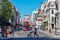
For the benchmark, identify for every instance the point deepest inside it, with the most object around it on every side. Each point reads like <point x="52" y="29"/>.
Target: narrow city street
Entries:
<point x="23" y="34"/>
<point x="29" y="19"/>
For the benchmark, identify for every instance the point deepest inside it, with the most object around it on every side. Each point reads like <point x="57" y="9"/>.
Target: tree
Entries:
<point x="5" y="11"/>
<point x="5" y="14"/>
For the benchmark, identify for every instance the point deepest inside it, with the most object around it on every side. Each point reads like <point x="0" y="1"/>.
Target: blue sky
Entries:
<point x="25" y="7"/>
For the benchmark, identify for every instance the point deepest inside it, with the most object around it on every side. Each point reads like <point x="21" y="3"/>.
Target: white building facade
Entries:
<point x="33" y="17"/>
<point x="49" y="10"/>
<point x="52" y="11"/>
<point x="58" y="16"/>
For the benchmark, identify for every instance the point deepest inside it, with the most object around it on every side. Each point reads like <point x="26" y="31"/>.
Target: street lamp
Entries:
<point x="55" y="23"/>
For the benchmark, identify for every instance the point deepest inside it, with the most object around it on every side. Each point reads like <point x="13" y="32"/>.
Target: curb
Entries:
<point x="55" y="36"/>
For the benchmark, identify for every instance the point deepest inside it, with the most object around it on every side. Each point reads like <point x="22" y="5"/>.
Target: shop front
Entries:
<point x="39" y="24"/>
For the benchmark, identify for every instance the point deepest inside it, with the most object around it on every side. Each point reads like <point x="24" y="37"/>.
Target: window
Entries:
<point x="52" y="19"/>
<point x="56" y="6"/>
<point x="27" y="18"/>
<point x="47" y="10"/>
<point x="52" y="5"/>
<point x="52" y="11"/>
<point x="39" y="19"/>
<point x="45" y="16"/>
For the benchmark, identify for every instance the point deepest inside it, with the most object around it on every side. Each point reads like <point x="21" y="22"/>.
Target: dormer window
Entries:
<point x="52" y="5"/>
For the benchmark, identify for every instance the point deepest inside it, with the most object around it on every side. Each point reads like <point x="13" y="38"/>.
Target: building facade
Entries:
<point x="58" y="16"/>
<point x="34" y="17"/>
<point x="52" y="11"/>
<point x="26" y="20"/>
<point x="15" y="19"/>
<point x="49" y="9"/>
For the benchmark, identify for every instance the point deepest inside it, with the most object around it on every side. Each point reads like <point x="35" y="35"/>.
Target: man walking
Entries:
<point x="29" y="34"/>
<point x="35" y="32"/>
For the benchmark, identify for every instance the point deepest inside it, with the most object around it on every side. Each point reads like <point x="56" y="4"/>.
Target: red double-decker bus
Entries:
<point x="26" y="25"/>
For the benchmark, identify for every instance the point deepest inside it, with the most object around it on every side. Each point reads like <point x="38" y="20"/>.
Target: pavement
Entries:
<point x="52" y="33"/>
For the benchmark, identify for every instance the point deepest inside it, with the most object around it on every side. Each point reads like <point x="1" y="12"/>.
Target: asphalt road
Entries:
<point x="22" y="35"/>
<point x="25" y="33"/>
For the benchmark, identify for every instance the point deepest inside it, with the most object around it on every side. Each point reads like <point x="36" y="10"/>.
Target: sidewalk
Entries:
<point x="51" y="34"/>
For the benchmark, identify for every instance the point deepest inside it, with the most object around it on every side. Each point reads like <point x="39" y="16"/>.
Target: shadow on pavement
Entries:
<point x="30" y="38"/>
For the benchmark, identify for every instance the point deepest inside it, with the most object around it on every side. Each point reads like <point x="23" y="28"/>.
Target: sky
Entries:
<point x="26" y="7"/>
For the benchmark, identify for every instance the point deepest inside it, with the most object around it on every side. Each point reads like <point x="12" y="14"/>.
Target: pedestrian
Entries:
<point x="7" y="32"/>
<point x="17" y="27"/>
<point x="35" y="31"/>
<point x="29" y="35"/>
<point x="2" y="31"/>
<point x="44" y="28"/>
<point x="30" y="32"/>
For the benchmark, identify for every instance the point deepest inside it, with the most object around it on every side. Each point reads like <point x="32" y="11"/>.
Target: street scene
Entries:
<point x="29" y="19"/>
<point x="25" y="34"/>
